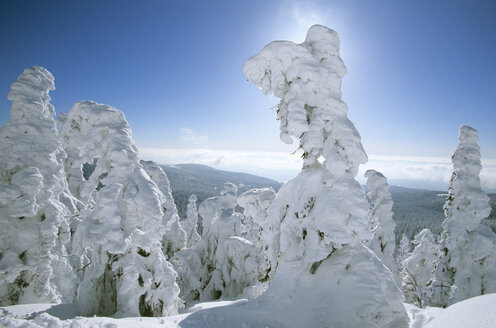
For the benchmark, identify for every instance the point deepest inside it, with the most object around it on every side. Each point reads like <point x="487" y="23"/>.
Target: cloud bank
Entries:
<point x="414" y="172"/>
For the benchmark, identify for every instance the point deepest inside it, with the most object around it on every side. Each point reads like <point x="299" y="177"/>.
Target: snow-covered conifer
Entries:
<point x="35" y="203"/>
<point x="381" y="221"/>
<point x="175" y="237"/>
<point x="318" y="220"/>
<point x="255" y="203"/>
<point x="222" y="264"/>
<point x="418" y="268"/>
<point x="403" y="251"/>
<point x="119" y="240"/>
<point x="190" y="224"/>
<point x="467" y="263"/>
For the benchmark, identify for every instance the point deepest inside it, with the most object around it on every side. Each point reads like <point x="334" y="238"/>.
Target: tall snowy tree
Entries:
<point x="35" y="203"/>
<point x="381" y="221"/>
<point x="317" y="222"/>
<point x="467" y="263"/>
<point x="119" y="239"/>
<point x="418" y="268"/>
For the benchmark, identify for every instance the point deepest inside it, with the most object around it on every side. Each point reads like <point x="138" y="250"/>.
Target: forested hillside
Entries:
<point x="414" y="209"/>
<point x="205" y="181"/>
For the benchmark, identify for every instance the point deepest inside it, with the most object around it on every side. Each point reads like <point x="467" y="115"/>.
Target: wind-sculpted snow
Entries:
<point x="35" y="201"/>
<point x="381" y="222"/>
<point x="323" y="275"/>
<point x="122" y="266"/>
<point x="467" y="264"/>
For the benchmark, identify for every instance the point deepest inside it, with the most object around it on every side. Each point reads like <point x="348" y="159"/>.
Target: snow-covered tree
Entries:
<point x="381" y="224"/>
<point x="175" y="237"/>
<point x="190" y="224"/>
<point x="255" y="203"/>
<point x="418" y="268"/>
<point x="318" y="220"/>
<point x="35" y="203"/>
<point x="403" y="251"/>
<point x="222" y="264"/>
<point x="467" y="263"/>
<point x="122" y="266"/>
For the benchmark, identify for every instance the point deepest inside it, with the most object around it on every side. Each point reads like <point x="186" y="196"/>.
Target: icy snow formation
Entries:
<point x="222" y="264"/>
<point x="467" y="264"/>
<point x="119" y="239"/>
<point x="35" y="201"/>
<point x="323" y="274"/>
<point x="418" y="268"/>
<point x="381" y="221"/>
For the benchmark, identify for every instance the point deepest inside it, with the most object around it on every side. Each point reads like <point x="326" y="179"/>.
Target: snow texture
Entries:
<point x="381" y="223"/>
<point x="418" y="268"/>
<point x="467" y="264"/>
<point x="35" y="201"/>
<point x="323" y="275"/>
<point x="122" y="266"/>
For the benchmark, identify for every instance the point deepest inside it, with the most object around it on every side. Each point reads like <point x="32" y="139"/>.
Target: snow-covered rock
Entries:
<point x="467" y="263"/>
<point x="122" y="267"/>
<point x="36" y="207"/>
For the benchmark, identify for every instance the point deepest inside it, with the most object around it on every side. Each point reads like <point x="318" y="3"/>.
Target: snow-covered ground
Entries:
<point x="474" y="312"/>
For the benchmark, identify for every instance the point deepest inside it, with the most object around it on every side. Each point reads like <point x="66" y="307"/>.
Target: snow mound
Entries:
<point x="473" y="312"/>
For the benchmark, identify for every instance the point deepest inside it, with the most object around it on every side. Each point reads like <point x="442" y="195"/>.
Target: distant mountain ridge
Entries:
<point x="414" y="209"/>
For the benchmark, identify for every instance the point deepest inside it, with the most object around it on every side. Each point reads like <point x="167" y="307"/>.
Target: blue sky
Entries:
<point x="417" y="70"/>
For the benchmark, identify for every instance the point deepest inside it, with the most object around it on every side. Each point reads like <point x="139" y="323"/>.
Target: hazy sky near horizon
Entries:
<point x="417" y="70"/>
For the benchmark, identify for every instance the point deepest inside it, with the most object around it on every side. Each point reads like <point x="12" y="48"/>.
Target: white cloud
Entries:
<point x="276" y="165"/>
<point x="191" y="139"/>
<point x="414" y="172"/>
<point x="425" y="172"/>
